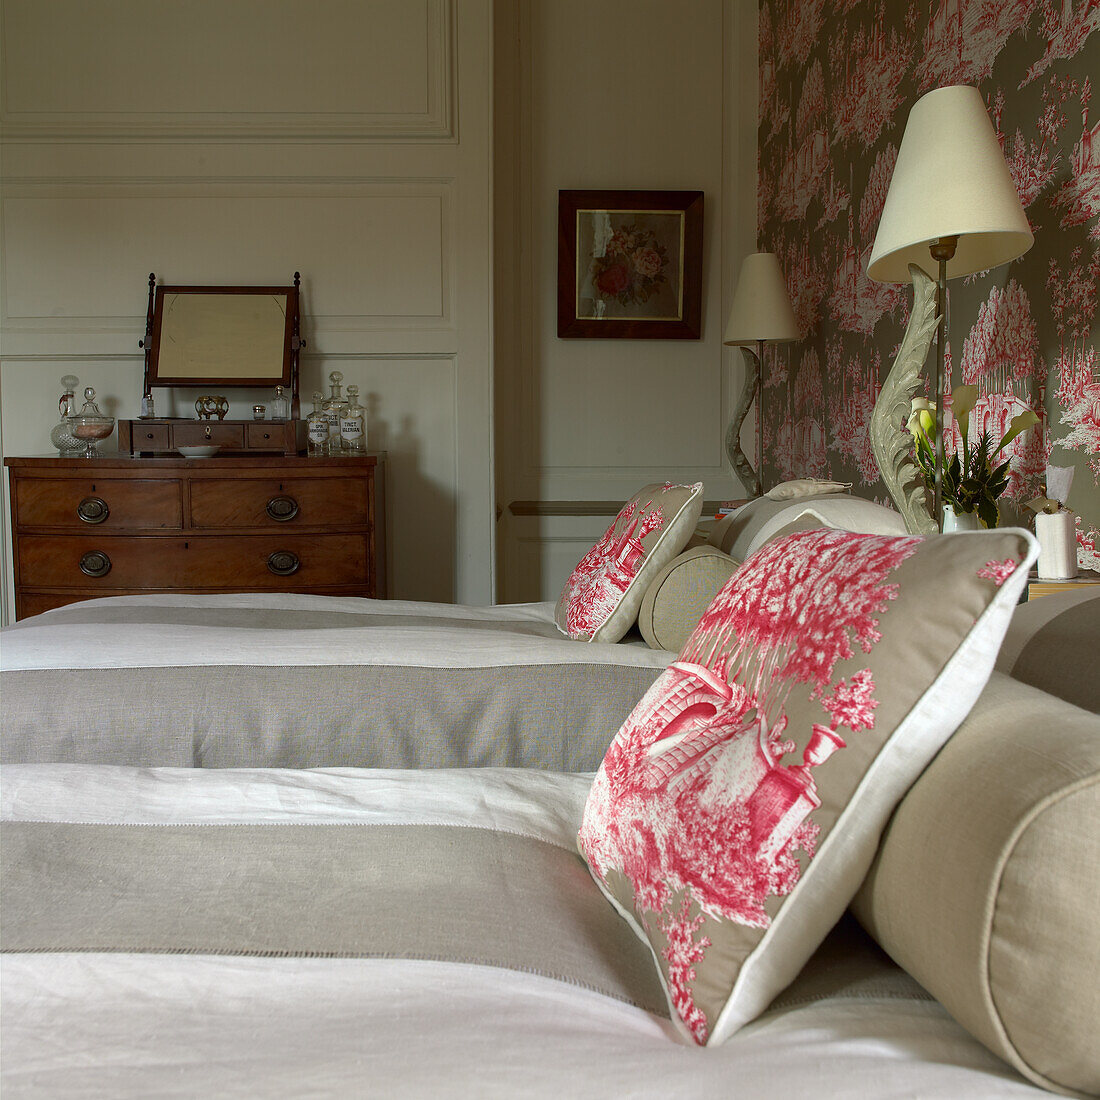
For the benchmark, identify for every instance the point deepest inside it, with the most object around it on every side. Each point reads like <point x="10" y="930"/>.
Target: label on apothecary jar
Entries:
<point x="351" y="429"/>
<point x="318" y="430"/>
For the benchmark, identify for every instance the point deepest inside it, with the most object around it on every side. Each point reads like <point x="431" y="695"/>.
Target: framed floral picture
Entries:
<point x="630" y="264"/>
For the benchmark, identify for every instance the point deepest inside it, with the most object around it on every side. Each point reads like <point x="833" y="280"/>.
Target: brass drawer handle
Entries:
<point x="282" y="509"/>
<point x="93" y="510"/>
<point x="283" y="562"/>
<point x="95" y="563"/>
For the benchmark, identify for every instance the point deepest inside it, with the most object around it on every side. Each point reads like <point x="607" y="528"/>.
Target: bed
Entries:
<point x="298" y="846"/>
<point x="522" y="983"/>
<point x="298" y="681"/>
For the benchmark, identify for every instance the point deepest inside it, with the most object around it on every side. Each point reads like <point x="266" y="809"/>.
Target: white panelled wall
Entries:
<point x="379" y="147"/>
<point x="236" y="143"/>
<point x="616" y="94"/>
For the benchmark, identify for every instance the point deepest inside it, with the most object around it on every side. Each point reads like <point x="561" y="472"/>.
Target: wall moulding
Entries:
<point x="376" y="257"/>
<point x="406" y="68"/>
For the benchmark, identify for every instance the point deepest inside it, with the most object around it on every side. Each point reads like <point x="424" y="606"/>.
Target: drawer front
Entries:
<point x="265" y="435"/>
<point x="111" y="563"/>
<point x="149" y="437"/>
<point x="199" y="433"/>
<point x="99" y="503"/>
<point x="279" y="502"/>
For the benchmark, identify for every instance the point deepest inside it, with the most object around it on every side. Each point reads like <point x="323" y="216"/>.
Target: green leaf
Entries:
<point x="987" y="512"/>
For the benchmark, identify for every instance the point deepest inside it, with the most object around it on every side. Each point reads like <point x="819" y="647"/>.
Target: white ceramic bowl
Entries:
<point x="198" y="452"/>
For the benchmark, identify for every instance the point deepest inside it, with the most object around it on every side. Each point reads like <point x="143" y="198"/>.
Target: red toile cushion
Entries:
<point x="741" y="803"/>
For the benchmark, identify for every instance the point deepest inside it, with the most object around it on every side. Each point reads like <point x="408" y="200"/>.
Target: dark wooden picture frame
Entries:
<point x="630" y="264"/>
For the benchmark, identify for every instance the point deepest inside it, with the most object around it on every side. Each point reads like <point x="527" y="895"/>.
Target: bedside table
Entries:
<point x="1037" y="588"/>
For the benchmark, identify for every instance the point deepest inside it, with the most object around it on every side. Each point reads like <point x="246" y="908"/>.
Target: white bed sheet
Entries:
<point x="128" y="1025"/>
<point x="419" y="634"/>
<point x="110" y="1026"/>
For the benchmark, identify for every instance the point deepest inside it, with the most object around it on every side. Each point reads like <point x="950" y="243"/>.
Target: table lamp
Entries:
<point x="951" y="199"/>
<point x="761" y="314"/>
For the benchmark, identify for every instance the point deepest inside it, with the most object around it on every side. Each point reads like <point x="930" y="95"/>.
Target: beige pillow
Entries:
<point x="986" y="885"/>
<point x="674" y="603"/>
<point x="600" y="600"/>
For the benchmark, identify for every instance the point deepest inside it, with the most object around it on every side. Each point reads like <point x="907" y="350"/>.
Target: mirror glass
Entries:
<point x="204" y="335"/>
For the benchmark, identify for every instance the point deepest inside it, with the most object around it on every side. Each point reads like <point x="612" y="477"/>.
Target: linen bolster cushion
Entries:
<point x="600" y="600"/>
<point x="1052" y="643"/>
<point x="675" y="601"/>
<point x="986" y="884"/>
<point x="739" y="807"/>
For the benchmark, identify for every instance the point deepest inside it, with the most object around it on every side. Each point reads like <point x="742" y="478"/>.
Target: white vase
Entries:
<point x="960" y="521"/>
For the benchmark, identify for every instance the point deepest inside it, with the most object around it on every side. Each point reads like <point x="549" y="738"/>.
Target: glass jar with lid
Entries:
<point x="353" y="424"/>
<point x="280" y="405"/>
<point x="90" y="425"/>
<point x="333" y="407"/>
<point x="68" y="446"/>
<point x="317" y="429"/>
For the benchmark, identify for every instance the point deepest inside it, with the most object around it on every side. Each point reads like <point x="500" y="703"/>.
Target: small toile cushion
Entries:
<point x="600" y="600"/>
<point x="740" y="805"/>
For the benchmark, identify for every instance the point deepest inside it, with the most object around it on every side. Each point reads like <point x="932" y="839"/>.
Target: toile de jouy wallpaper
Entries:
<point x="838" y="78"/>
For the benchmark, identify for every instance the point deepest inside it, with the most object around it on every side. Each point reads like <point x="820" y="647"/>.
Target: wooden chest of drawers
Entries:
<point x="110" y="526"/>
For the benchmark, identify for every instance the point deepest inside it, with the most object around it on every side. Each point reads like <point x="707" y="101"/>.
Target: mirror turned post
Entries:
<point x="147" y="345"/>
<point x="296" y="344"/>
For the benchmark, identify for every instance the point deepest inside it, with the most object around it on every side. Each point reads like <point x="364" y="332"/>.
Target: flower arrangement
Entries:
<point x="973" y="482"/>
<point x="632" y="267"/>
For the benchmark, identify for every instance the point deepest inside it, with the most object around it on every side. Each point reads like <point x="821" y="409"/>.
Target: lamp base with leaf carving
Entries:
<point x="750" y="478"/>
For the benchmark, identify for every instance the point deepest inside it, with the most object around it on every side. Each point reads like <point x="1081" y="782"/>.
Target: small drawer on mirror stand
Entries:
<point x="199" y="433"/>
<point x="149" y="437"/>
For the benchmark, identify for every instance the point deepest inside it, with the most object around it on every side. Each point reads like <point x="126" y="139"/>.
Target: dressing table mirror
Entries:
<point x="219" y="337"/>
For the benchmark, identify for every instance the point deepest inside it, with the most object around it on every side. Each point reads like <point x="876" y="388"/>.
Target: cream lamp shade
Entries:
<point x="950" y="179"/>
<point x="761" y="310"/>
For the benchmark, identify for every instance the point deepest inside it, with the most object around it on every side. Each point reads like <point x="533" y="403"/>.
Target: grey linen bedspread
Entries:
<point x="295" y="681"/>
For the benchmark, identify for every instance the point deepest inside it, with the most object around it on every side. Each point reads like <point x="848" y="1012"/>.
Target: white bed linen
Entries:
<point x="57" y="639"/>
<point x="110" y="1027"/>
<point x="544" y="805"/>
<point x="128" y="1025"/>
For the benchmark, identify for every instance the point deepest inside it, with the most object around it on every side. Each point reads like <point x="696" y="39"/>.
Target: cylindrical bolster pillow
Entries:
<point x="985" y="887"/>
<point x="677" y="597"/>
<point x="1051" y="644"/>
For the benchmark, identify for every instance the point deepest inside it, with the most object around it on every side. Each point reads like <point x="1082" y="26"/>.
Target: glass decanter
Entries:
<point x="280" y="405"/>
<point x="353" y="424"/>
<point x="317" y="429"/>
<point x="333" y="407"/>
<point x="90" y="425"/>
<point x="68" y="446"/>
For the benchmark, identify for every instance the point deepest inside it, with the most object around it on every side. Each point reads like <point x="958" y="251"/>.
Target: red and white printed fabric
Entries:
<point x="600" y="600"/>
<point x="741" y="803"/>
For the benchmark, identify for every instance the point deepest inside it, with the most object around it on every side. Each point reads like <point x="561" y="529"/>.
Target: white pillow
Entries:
<point x="844" y="513"/>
